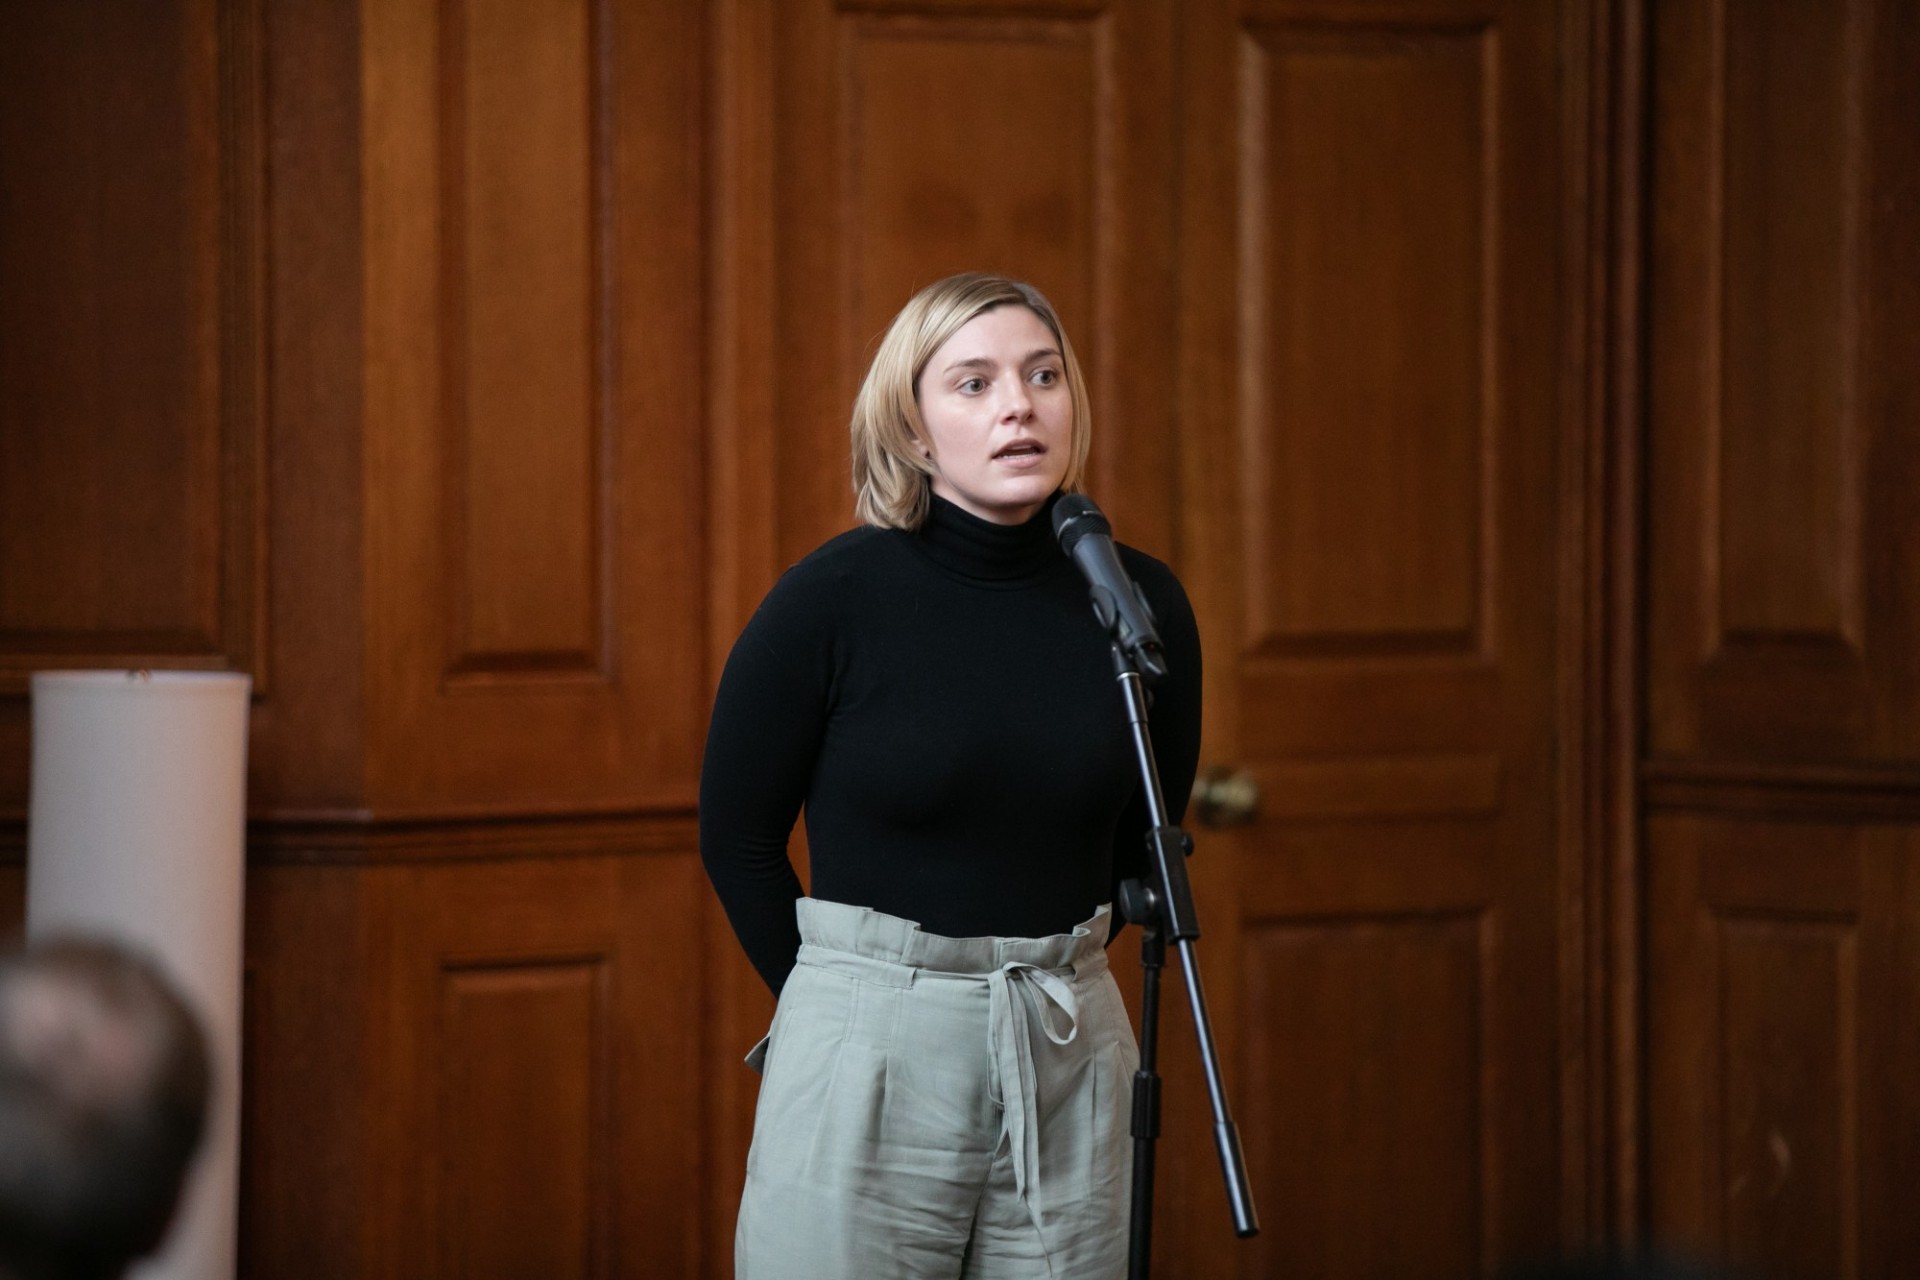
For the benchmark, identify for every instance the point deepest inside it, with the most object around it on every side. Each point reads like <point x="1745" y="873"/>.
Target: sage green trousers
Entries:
<point x="940" y="1108"/>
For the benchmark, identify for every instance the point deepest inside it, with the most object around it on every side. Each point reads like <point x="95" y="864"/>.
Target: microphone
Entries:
<point x="1087" y="539"/>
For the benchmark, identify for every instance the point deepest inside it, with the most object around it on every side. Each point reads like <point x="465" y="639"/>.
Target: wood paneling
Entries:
<point x="918" y="141"/>
<point x="1398" y="786"/>
<point x="1377" y="1028"/>
<point x="1368" y="335"/>
<point x="132" y="349"/>
<point x="468" y="369"/>
<point x="1788" y="1136"/>
<point x="526" y="418"/>
<point x="1781" y="631"/>
<point x="306" y="747"/>
<point x="533" y="446"/>
<point x="1788" y="319"/>
<point x="503" y="1058"/>
<point x="1779" y="1138"/>
<point x="525" y="1116"/>
<point x="308" y="1060"/>
<point x="887" y="167"/>
<point x="1371" y="412"/>
<point x="1774" y="535"/>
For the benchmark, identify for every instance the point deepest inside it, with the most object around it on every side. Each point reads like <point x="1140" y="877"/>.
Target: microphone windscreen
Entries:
<point x="1074" y="517"/>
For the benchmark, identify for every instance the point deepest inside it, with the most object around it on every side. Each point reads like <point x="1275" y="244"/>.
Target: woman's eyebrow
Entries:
<point x="983" y="362"/>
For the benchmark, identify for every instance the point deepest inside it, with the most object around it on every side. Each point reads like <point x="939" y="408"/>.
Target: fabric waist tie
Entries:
<point x="1020" y="992"/>
<point x="1011" y="1040"/>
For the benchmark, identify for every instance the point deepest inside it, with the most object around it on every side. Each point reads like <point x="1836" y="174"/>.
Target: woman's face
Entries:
<point x="998" y="415"/>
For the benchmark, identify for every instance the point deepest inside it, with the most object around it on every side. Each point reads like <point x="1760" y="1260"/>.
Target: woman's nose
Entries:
<point x="1017" y="405"/>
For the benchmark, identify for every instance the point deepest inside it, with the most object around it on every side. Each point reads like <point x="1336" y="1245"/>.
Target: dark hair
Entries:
<point x="103" y="1098"/>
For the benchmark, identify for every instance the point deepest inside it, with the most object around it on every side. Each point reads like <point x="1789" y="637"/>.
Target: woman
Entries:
<point x="947" y="1080"/>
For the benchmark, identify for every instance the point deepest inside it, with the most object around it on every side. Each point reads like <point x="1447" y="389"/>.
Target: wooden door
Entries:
<point x="1783" y="710"/>
<point x="1372" y="407"/>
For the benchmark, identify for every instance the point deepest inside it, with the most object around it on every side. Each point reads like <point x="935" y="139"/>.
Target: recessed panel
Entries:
<point x="129" y="355"/>
<point x="1366" y="1036"/>
<point x="524" y="334"/>
<point x="1367" y="228"/>
<point x="1776" y="477"/>
<point x="1788" y="1184"/>
<point x="1789" y="131"/>
<point x="972" y="145"/>
<point x="1381" y="786"/>
<point x="534" y="328"/>
<point x="524" y="1120"/>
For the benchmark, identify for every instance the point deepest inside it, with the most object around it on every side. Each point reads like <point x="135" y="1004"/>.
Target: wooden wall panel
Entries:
<point x="920" y="141"/>
<point x="502" y="1051"/>
<point x="1789" y="1135"/>
<point x="1378" y="1029"/>
<point x="533" y="434"/>
<point x="1780" y="988"/>
<point x="1384" y="463"/>
<point x="888" y="168"/>
<point x="306" y="749"/>
<point x="182" y="344"/>
<point x="525" y="1133"/>
<point x="1367" y="335"/>
<point x="635" y="919"/>
<point x="1790" y="151"/>
<point x="131" y="433"/>
<point x="309" y="1029"/>
<point x="1775" y="539"/>
<point x="526" y="418"/>
<point x="470" y="368"/>
<point x="1373" y="423"/>
<point x="1782" y="703"/>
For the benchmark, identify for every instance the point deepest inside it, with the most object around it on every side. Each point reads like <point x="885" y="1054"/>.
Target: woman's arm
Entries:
<point x="761" y="743"/>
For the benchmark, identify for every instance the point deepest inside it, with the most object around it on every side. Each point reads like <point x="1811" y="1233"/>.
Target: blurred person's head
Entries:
<point x="103" y="1097"/>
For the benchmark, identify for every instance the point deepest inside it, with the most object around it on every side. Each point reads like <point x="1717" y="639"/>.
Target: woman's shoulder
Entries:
<point x="807" y="609"/>
<point x="844" y="552"/>
<point x="843" y="558"/>
<point x="1155" y="577"/>
<point x="819" y="582"/>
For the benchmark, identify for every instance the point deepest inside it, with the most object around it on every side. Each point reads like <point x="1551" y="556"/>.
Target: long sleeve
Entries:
<point x="761" y="745"/>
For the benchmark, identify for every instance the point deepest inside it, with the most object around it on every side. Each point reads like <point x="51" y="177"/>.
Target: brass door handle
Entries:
<point x="1225" y="797"/>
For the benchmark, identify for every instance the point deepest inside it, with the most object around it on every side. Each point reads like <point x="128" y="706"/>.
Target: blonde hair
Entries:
<point x="891" y="476"/>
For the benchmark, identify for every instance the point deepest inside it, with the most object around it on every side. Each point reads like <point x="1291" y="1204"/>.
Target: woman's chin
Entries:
<point x="1029" y="491"/>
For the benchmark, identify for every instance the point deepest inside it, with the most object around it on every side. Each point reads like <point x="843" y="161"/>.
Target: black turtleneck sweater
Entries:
<point x="944" y="705"/>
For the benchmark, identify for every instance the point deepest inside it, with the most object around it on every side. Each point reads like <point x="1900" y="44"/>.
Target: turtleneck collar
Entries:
<point x="966" y="546"/>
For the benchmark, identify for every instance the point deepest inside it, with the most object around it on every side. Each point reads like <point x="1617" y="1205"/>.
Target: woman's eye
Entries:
<point x="972" y="386"/>
<point x="1045" y="377"/>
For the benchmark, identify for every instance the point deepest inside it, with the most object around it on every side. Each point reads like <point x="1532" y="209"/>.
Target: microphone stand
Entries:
<point x="1163" y="909"/>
